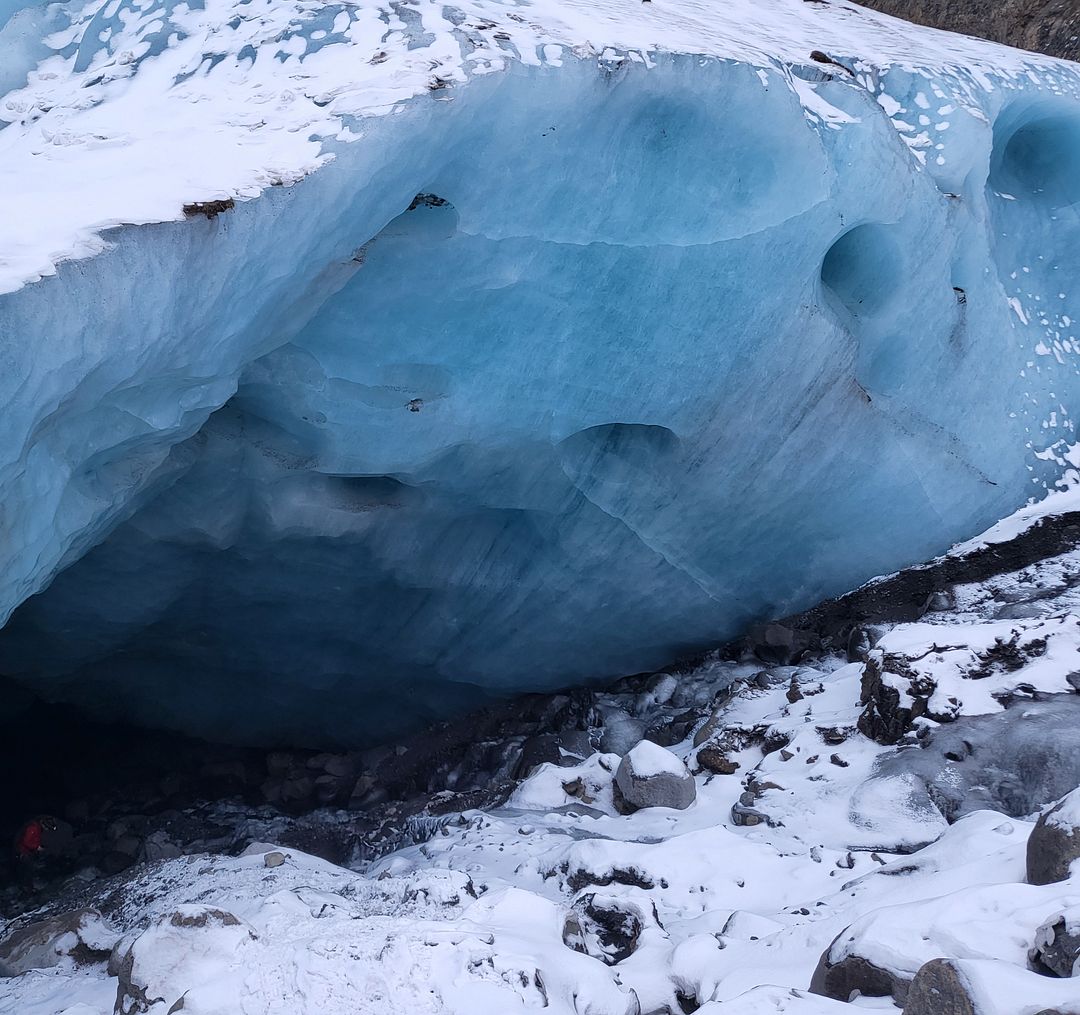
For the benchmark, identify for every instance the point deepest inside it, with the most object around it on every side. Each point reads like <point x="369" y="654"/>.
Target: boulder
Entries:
<point x="987" y="987"/>
<point x="651" y="776"/>
<point x="940" y="988"/>
<point x="607" y="927"/>
<point x="83" y="937"/>
<point x="1055" y="842"/>
<point x="169" y="962"/>
<point x="1056" y="951"/>
<point x="843" y="976"/>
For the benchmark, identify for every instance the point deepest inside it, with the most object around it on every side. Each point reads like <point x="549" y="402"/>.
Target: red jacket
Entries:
<point x="28" y="841"/>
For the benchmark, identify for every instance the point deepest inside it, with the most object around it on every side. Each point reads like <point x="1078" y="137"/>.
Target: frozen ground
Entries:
<point x="555" y="901"/>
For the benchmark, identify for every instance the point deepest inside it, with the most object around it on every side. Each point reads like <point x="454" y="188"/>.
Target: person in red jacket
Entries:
<point x="44" y="842"/>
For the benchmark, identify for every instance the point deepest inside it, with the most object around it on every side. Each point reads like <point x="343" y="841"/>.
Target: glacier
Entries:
<point x="529" y="345"/>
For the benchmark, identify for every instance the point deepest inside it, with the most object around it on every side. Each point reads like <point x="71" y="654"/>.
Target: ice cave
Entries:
<point x="537" y="504"/>
<point x="584" y="370"/>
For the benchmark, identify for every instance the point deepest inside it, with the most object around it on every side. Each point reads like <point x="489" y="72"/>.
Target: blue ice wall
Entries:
<point x="654" y="355"/>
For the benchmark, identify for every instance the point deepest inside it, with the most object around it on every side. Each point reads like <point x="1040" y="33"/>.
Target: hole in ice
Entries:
<point x="615" y="454"/>
<point x="862" y="269"/>
<point x="1039" y="158"/>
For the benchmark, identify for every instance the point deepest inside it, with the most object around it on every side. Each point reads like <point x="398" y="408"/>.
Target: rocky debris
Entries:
<point x="907" y="595"/>
<point x="1056" y="951"/>
<point x="780" y="644"/>
<point x="895" y="698"/>
<point x="607" y="927"/>
<point x="1007" y="655"/>
<point x="1052" y="28"/>
<point x="939" y="988"/>
<point x="713" y="759"/>
<point x="651" y="776"/>
<point x="670" y="730"/>
<point x="842" y="976"/>
<point x="1054" y="844"/>
<point x="744" y="811"/>
<point x="82" y="937"/>
<point x="746" y="815"/>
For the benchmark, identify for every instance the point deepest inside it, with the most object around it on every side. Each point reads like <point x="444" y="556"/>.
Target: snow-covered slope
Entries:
<point x="152" y="104"/>
<point x="591" y="333"/>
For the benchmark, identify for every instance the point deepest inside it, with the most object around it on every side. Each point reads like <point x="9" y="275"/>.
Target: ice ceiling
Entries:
<point x="588" y="367"/>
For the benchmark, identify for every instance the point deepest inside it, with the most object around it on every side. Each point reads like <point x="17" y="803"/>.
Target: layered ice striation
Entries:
<point x="587" y="337"/>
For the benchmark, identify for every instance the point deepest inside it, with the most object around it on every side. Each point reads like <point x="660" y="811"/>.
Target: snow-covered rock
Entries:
<point x="881" y="953"/>
<point x="651" y="776"/>
<point x="1054" y="845"/>
<point x="1057" y="945"/>
<point x="183" y="962"/>
<point x="986" y="987"/>
<point x="74" y="939"/>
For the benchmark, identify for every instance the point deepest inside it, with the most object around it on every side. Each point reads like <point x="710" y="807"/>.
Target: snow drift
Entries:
<point x="560" y="339"/>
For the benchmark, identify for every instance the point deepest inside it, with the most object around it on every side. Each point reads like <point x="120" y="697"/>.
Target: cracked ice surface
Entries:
<point x="689" y="330"/>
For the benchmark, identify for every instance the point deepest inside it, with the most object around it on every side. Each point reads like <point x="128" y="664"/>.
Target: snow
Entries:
<point x="1055" y="502"/>
<point x="147" y="106"/>
<point x="1067" y="814"/>
<point x="648" y="760"/>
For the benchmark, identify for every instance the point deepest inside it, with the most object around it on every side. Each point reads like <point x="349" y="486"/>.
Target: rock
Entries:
<point x="115" y="861"/>
<point x="540" y="749"/>
<point x="894" y="698"/>
<point x="1055" y="842"/>
<point x="746" y="816"/>
<point x="712" y="759"/>
<point x="650" y="776"/>
<point x="673" y="730"/>
<point x="779" y="645"/>
<point x="605" y="927"/>
<point x="1056" y="951"/>
<point x="576" y="745"/>
<point x="158" y="846"/>
<point x="167" y="962"/>
<point x="939" y="988"/>
<point x="840" y="977"/>
<point x="82" y="936"/>
<point x="621" y="731"/>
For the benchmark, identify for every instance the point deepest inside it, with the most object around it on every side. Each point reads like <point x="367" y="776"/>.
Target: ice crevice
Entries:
<point x="553" y="374"/>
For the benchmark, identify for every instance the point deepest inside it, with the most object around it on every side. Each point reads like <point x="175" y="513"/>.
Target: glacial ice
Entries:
<point x="552" y="374"/>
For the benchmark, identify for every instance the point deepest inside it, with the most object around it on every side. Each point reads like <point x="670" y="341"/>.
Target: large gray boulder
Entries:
<point x="987" y="987"/>
<point x="940" y="988"/>
<point x="651" y="776"/>
<point x="841" y="975"/>
<point x="1055" y="842"/>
